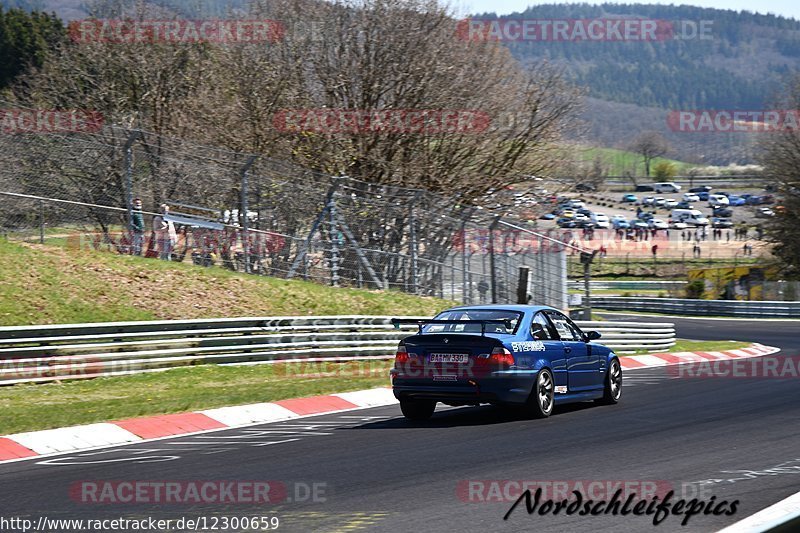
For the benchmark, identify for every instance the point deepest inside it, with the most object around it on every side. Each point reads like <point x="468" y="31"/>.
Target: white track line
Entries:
<point x="768" y="518"/>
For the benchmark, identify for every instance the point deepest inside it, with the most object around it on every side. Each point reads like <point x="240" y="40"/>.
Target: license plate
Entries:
<point x="448" y="358"/>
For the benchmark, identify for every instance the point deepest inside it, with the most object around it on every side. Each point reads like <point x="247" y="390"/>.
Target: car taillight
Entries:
<point x="401" y="357"/>
<point x="501" y="357"/>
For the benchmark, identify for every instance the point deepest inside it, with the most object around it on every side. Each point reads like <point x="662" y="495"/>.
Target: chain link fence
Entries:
<point x="264" y="216"/>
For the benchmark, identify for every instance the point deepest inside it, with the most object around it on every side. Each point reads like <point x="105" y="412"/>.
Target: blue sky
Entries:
<point x="787" y="8"/>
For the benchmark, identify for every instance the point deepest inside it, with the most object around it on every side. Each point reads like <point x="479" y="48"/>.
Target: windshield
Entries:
<point x="475" y="314"/>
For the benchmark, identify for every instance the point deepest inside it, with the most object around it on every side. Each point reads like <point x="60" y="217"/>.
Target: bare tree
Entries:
<point x="650" y="145"/>
<point x="780" y="157"/>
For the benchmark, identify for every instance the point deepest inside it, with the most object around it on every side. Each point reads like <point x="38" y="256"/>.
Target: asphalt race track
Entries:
<point x="370" y="470"/>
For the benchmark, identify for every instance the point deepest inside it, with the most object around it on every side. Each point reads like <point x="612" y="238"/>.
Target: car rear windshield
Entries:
<point x="475" y="314"/>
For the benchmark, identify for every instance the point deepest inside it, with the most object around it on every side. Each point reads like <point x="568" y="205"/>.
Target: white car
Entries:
<point x="670" y="203"/>
<point x="600" y="220"/>
<point x="660" y="201"/>
<point x="717" y="199"/>
<point x="678" y="225"/>
<point x="576" y="204"/>
<point x="657" y="223"/>
<point x="691" y="197"/>
<point x="648" y="200"/>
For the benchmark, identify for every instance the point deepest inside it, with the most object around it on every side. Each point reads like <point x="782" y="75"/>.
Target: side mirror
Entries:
<point x="592" y="335"/>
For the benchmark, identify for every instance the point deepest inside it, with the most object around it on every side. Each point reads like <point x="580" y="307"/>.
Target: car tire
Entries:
<point x="417" y="409"/>
<point x="542" y="398"/>
<point x="612" y="389"/>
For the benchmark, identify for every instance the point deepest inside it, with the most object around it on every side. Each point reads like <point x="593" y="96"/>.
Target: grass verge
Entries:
<point x="684" y="345"/>
<point x="53" y="285"/>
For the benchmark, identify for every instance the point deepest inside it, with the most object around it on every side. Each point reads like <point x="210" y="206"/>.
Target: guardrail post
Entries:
<point x="243" y="208"/>
<point x="413" y="244"/>
<point x="41" y="221"/>
<point x="492" y="269"/>
<point x="129" y="176"/>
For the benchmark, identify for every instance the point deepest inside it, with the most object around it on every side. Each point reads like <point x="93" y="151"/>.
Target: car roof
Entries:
<point x="507" y="307"/>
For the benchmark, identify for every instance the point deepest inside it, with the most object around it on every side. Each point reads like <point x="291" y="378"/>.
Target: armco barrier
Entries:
<point x="672" y="306"/>
<point x="73" y="351"/>
<point x="628" y="285"/>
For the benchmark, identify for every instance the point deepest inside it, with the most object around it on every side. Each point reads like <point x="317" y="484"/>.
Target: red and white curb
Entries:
<point x="678" y="358"/>
<point x="77" y="438"/>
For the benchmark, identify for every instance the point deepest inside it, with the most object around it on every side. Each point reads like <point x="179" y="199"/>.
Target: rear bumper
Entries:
<point x="491" y="390"/>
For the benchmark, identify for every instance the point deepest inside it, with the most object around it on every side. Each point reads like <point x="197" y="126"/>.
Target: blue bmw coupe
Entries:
<point x="527" y="356"/>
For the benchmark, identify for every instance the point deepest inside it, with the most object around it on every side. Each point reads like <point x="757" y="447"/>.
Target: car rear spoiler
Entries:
<point x="397" y="322"/>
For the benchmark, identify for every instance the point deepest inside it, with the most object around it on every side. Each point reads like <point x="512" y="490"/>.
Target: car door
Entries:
<point x="583" y="364"/>
<point x="542" y="330"/>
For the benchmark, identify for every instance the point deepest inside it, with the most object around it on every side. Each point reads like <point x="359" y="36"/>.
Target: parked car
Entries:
<point x="601" y="220"/>
<point x="666" y="186"/>
<point x="765" y="212"/>
<point x="657" y="223"/>
<point x="690" y="216"/>
<point x="660" y="201"/>
<point x="690" y="197"/>
<point x="669" y="203"/>
<point x="639" y="224"/>
<point x="722" y="212"/>
<point x="678" y="225"/>
<point x="648" y="200"/>
<point x="567" y="213"/>
<point x="630" y="198"/>
<point x="644" y="215"/>
<point x="702" y="188"/>
<point x="548" y="216"/>
<point x="620" y="222"/>
<point x="722" y="223"/>
<point x="584" y="224"/>
<point x="644" y="188"/>
<point x="717" y="199"/>
<point x="529" y="356"/>
<point x="736" y="200"/>
<point x="703" y="195"/>
<point x="576" y="204"/>
<point x="585" y="187"/>
<point x="683" y="205"/>
<point x="565" y="223"/>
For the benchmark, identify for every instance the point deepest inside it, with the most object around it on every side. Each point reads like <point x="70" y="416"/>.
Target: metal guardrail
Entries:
<point x="673" y="306"/>
<point x="31" y="354"/>
<point x="628" y="285"/>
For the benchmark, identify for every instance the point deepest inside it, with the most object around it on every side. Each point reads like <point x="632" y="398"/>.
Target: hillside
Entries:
<point x="740" y="63"/>
<point x="44" y="284"/>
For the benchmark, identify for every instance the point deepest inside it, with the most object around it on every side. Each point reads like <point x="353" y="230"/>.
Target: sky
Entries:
<point x="787" y="8"/>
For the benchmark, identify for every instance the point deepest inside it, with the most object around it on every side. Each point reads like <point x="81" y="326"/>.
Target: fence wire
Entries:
<point x="264" y="216"/>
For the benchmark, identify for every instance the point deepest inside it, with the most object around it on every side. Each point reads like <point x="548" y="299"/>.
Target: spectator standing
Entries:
<point x="165" y="233"/>
<point x="483" y="288"/>
<point x="137" y="226"/>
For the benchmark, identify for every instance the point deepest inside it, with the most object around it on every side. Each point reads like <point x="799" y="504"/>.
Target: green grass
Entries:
<point x="684" y="345"/>
<point x="51" y="405"/>
<point x="51" y="285"/>
<point x="619" y="161"/>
